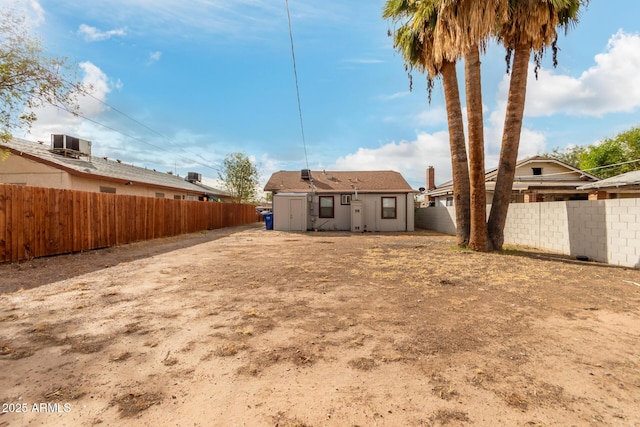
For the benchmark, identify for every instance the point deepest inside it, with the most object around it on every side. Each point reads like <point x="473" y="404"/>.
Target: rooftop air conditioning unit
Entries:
<point x="70" y="146"/>
<point x="305" y="174"/>
<point x="194" y="177"/>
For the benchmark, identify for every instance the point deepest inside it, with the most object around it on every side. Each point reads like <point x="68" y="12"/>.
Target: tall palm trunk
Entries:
<point x="459" y="163"/>
<point x="478" y="237"/>
<point x="510" y="143"/>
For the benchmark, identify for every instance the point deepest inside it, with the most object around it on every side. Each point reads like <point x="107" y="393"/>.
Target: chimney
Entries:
<point x="431" y="178"/>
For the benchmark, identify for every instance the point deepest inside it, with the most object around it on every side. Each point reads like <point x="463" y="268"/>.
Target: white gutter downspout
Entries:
<point x="406" y="212"/>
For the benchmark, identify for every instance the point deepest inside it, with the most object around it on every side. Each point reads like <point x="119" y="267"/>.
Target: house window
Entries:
<point x="326" y="206"/>
<point x="345" y="199"/>
<point x="160" y="195"/>
<point x="449" y="201"/>
<point x="389" y="210"/>
<point x="177" y="197"/>
<point x="537" y="171"/>
<point x="110" y="190"/>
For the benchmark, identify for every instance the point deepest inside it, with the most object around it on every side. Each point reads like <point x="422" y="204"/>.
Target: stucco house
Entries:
<point x="623" y="186"/>
<point x="537" y="179"/>
<point x="357" y="201"/>
<point x="67" y="163"/>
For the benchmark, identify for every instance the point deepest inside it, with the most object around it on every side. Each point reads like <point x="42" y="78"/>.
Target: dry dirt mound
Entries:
<point x="257" y="328"/>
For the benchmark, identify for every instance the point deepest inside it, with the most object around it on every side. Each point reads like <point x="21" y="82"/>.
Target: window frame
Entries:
<point x="320" y="207"/>
<point x="347" y="197"/>
<point x="395" y="207"/>
<point x="534" y="170"/>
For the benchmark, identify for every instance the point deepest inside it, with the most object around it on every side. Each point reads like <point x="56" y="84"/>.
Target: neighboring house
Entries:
<point x="537" y="179"/>
<point x="623" y="186"/>
<point x="67" y="163"/>
<point x="358" y="201"/>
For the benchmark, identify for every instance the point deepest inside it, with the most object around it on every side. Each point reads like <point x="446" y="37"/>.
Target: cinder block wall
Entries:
<point x="441" y="219"/>
<point x="603" y="230"/>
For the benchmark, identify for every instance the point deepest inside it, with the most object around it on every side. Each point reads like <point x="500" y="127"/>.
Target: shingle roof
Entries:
<point x="622" y="180"/>
<point x="339" y="181"/>
<point x="568" y="180"/>
<point x="99" y="167"/>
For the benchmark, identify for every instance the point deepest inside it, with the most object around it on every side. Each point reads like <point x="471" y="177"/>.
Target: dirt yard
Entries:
<point x="245" y="327"/>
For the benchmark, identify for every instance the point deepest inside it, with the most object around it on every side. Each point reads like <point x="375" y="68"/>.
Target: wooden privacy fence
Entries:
<point x="37" y="222"/>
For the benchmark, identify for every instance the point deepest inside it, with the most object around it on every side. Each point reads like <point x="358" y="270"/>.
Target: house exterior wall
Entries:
<point x="603" y="230"/>
<point x="548" y="168"/>
<point x="94" y="185"/>
<point x="372" y="205"/>
<point x="21" y="171"/>
<point x="551" y="172"/>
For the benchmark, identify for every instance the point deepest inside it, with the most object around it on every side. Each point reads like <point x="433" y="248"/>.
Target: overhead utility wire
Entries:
<point x="295" y="73"/>
<point x="85" y="92"/>
<point x="146" y="127"/>
<point x="127" y="135"/>
<point x="60" y="107"/>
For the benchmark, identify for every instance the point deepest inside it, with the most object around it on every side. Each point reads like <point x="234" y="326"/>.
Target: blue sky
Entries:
<point x="177" y="85"/>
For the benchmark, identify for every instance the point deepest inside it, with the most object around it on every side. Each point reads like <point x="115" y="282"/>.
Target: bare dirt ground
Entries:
<point x="245" y="327"/>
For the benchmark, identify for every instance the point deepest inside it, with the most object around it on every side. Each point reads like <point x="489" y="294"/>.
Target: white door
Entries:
<point x="296" y="215"/>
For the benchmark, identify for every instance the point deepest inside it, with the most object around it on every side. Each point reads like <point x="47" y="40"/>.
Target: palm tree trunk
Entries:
<point x="459" y="164"/>
<point x="478" y="237"/>
<point x="510" y="143"/>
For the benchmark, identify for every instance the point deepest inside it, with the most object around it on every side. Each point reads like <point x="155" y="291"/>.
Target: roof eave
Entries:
<point x="75" y="172"/>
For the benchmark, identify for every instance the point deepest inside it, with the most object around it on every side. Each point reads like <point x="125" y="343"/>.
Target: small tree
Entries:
<point x="28" y="78"/>
<point x="621" y="150"/>
<point x="240" y="177"/>
<point x="569" y="155"/>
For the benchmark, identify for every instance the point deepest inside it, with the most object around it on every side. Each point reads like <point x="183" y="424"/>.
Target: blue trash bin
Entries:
<point x="268" y="220"/>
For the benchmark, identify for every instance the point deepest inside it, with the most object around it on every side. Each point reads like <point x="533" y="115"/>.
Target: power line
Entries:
<point x="130" y="136"/>
<point x="295" y="73"/>
<point x="77" y="114"/>
<point x="146" y="127"/>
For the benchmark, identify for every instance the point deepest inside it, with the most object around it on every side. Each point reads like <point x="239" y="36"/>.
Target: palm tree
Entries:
<point x="530" y="27"/>
<point x="415" y="40"/>
<point x="446" y="31"/>
<point x="478" y="238"/>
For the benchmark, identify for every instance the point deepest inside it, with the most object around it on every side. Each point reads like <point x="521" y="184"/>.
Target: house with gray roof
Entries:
<point x="357" y="201"/>
<point x="623" y="186"/>
<point x="67" y="163"/>
<point x="537" y="179"/>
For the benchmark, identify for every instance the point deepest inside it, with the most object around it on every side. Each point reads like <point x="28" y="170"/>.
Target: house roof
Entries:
<point x="570" y="179"/>
<point x="492" y="174"/>
<point x="627" y="179"/>
<point x="103" y="168"/>
<point x="339" y="181"/>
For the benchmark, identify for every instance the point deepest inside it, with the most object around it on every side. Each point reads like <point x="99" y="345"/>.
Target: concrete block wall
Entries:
<point x="441" y="219"/>
<point x="603" y="230"/>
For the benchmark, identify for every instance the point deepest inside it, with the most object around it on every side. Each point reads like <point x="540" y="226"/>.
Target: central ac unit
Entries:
<point x="70" y="145"/>
<point x="194" y="177"/>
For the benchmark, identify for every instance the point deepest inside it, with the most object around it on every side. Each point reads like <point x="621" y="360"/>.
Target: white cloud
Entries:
<point x="31" y="10"/>
<point x="155" y="56"/>
<point x="364" y="61"/>
<point x="53" y="120"/>
<point x="410" y="158"/>
<point x="240" y="19"/>
<point x="432" y="116"/>
<point x="92" y="34"/>
<point x="98" y="84"/>
<point x="396" y="95"/>
<point x="612" y="85"/>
